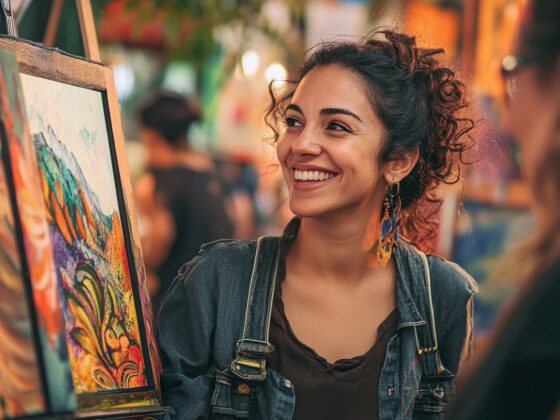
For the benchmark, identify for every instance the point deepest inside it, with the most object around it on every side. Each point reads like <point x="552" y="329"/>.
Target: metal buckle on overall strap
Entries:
<point x="252" y="349"/>
<point x="250" y="359"/>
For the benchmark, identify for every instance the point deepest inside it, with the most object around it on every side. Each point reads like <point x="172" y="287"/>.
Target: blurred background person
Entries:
<point x="239" y="181"/>
<point x="518" y="376"/>
<point x="180" y="201"/>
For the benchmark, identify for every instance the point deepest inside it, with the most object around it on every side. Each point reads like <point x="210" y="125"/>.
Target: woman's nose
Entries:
<point x="306" y="143"/>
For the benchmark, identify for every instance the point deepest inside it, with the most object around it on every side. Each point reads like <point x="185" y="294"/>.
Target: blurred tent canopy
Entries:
<point x="184" y="30"/>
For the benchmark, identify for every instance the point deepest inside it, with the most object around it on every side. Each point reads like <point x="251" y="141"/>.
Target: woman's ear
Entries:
<point x="397" y="169"/>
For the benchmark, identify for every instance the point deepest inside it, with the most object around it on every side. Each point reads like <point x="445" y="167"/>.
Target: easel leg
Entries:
<point x="87" y="26"/>
<point x="52" y="24"/>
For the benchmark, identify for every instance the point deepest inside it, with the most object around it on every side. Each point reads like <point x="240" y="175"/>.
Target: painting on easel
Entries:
<point x="28" y="273"/>
<point x="86" y="232"/>
<point x="21" y="392"/>
<point x="85" y="200"/>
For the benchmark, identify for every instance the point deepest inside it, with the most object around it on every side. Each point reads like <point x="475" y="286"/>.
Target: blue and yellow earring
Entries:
<point x="389" y="226"/>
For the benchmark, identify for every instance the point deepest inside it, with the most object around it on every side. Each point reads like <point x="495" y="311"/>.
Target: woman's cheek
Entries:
<point x="282" y="150"/>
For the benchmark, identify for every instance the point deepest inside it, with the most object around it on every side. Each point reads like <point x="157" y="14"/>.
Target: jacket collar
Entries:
<point x="410" y="278"/>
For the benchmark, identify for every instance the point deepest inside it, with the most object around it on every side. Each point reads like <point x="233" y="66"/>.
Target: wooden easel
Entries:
<point x="87" y="27"/>
<point x="6" y="18"/>
<point x="91" y="74"/>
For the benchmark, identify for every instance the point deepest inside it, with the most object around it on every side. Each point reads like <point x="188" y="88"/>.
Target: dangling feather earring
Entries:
<point x="389" y="226"/>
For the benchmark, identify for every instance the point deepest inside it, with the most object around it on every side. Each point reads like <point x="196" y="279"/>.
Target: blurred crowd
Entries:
<point x="187" y="197"/>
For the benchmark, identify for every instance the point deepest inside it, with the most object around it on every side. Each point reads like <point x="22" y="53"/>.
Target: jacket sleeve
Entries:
<point x="453" y="312"/>
<point x="186" y="323"/>
<point x="456" y="340"/>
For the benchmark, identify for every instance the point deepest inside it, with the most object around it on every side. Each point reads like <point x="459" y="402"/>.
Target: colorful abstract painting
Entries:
<point x="24" y="175"/>
<point x="78" y="190"/>
<point x="20" y="379"/>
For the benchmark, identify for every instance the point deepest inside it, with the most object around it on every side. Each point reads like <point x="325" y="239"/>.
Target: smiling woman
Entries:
<point x="336" y="133"/>
<point x="419" y="103"/>
<point x="340" y="317"/>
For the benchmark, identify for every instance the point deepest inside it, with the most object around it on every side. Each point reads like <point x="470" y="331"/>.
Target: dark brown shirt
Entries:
<point x="346" y="389"/>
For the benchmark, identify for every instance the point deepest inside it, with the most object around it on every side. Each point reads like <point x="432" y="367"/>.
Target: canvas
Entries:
<point x="39" y="269"/>
<point x="70" y="137"/>
<point x="77" y="237"/>
<point x="20" y="381"/>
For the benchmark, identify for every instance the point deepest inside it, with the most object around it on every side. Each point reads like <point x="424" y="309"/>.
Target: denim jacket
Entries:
<point x="213" y="335"/>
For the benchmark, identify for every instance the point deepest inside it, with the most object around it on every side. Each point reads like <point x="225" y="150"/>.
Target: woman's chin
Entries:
<point x="310" y="210"/>
<point x="301" y="210"/>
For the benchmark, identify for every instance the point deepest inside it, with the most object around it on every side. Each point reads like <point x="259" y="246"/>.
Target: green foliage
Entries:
<point x="190" y="25"/>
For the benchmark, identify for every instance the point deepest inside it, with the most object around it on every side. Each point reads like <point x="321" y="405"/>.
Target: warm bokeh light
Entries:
<point x="124" y="80"/>
<point x="275" y="72"/>
<point x="250" y="63"/>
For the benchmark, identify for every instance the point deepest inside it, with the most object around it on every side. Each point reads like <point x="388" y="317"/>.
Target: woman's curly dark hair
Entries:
<point x="419" y="102"/>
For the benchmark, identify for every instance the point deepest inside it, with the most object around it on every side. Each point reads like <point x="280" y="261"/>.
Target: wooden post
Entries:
<point x="7" y="26"/>
<point x="52" y="24"/>
<point x="87" y="26"/>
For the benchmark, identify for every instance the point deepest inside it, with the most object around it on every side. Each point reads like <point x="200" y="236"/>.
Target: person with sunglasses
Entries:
<point x="518" y="374"/>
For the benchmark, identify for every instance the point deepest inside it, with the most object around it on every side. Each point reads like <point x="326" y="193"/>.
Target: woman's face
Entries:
<point x="531" y="117"/>
<point x="331" y="145"/>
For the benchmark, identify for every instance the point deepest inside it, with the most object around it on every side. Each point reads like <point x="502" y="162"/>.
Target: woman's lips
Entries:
<point x="305" y="179"/>
<point x="312" y="175"/>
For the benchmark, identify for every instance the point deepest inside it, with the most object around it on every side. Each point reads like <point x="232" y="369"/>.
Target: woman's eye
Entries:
<point x="336" y="126"/>
<point x="292" y="122"/>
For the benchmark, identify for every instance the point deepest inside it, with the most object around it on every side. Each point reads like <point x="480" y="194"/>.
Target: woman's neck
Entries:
<point x="336" y="249"/>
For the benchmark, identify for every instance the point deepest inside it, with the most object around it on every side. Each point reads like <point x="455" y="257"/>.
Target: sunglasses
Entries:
<point x="511" y="65"/>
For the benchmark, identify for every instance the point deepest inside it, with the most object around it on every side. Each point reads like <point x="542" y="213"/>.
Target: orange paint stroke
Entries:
<point x="80" y="224"/>
<point x="69" y="222"/>
<point x="60" y="193"/>
<point x="89" y="216"/>
<point x="59" y="218"/>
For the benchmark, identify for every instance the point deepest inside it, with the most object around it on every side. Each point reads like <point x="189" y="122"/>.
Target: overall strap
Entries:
<point x="426" y="338"/>
<point x="251" y="351"/>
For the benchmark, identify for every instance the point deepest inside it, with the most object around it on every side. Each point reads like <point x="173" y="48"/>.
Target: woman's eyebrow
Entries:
<point x="326" y="111"/>
<point x="333" y="111"/>
<point x="294" y="107"/>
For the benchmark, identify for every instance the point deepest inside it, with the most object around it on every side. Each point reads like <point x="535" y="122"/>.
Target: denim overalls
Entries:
<point x="214" y="336"/>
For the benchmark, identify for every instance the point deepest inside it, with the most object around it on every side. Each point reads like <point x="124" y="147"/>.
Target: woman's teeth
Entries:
<point x="312" y="175"/>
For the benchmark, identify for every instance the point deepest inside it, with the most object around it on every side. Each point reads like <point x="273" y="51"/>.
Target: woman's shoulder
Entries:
<point x="221" y="270"/>
<point x="449" y="275"/>
<point x="221" y="260"/>
<point x="228" y="248"/>
<point x="447" y="278"/>
<point x="221" y="255"/>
